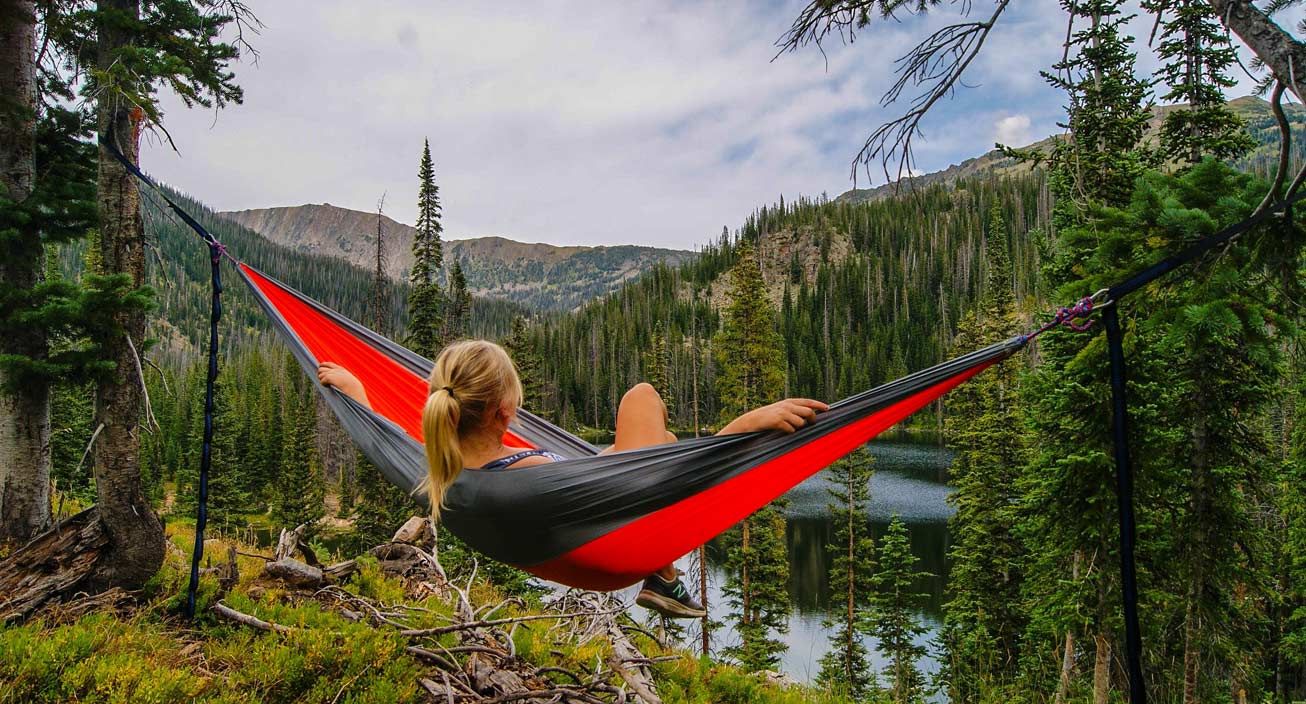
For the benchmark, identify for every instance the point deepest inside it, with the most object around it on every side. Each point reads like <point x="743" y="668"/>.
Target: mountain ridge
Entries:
<point x="536" y="274"/>
<point x="1254" y="111"/>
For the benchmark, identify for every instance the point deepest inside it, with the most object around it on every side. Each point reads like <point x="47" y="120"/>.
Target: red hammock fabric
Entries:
<point x="393" y="391"/>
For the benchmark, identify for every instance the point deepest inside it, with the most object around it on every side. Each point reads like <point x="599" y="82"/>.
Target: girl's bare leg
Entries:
<point x="642" y="422"/>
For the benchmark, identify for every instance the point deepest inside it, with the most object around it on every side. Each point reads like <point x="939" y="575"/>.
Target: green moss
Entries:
<point x="155" y="656"/>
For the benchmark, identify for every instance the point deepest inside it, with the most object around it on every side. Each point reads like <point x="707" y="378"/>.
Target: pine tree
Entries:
<point x="1197" y="57"/>
<point x="1107" y="112"/>
<point x="846" y="668"/>
<point x="298" y="496"/>
<point x="656" y="363"/>
<point x="983" y="617"/>
<point x="757" y="587"/>
<point x="459" y="308"/>
<point x="381" y="508"/>
<point x="1290" y="653"/>
<point x="70" y="432"/>
<point x="267" y="428"/>
<point x="51" y="327"/>
<point x="378" y="295"/>
<point x="751" y="359"/>
<point x="1068" y="514"/>
<point x="227" y="502"/>
<point x="127" y="56"/>
<point x="894" y="605"/>
<point x="426" y="322"/>
<point x="750" y="353"/>
<point x="529" y="367"/>
<point x="1222" y="351"/>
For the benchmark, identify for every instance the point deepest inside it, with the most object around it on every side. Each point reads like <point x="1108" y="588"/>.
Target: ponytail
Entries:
<point x="469" y="382"/>
<point x="444" y="456"/>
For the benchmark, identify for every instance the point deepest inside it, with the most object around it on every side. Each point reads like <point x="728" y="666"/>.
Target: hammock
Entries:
<point x="593" y="521"/>
<point x="603" y="522"/>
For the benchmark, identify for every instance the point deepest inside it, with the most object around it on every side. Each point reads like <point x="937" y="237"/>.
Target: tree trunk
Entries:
<point x="746" y="591"/>
<point x="1192" y="69"/>
<point x="25" y="411"/>
<point x="1102" y="669"/>
<point x="136" y="544"/>
<point x="1068" y="654"/>
<point x="1282" y="54"/>
<point x="1198" y="553"/>
<point x="49" y="567"/>
<point x="850" y="594"/>
<point x="1067" y="668"/>
<point x="1191" y="653"/>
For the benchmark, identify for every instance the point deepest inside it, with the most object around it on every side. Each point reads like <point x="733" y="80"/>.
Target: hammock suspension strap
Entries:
<point x="217" y="251"/>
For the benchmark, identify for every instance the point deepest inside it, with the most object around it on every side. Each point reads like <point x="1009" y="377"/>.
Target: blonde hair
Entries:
<point x="471" y="380"/>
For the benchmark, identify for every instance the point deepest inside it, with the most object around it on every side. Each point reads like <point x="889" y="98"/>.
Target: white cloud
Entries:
<point x="580" y="122"/>
<point x="1013" y="131"/>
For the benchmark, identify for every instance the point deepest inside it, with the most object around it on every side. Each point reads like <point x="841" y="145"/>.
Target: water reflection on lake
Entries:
<point x="908" y="482"/>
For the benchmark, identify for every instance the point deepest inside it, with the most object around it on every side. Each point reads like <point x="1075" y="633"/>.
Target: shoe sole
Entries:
<point x="666" y="606"/>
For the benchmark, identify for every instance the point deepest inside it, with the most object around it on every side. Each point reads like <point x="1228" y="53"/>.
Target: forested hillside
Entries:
<point x="1254" y="112"/>
<point x="865" y="291"/>
<point x="541" y="276"/>
<point x="179" y="272"/>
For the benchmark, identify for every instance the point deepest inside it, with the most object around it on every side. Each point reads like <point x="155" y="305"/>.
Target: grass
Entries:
<point x="150" y="654"/>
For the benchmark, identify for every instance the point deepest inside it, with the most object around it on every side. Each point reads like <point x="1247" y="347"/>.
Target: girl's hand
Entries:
<point x="786" y="416"/>
<point x="332" y="374"/>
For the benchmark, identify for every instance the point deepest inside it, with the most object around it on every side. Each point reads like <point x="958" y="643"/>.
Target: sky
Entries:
<point x="586" y="123"/>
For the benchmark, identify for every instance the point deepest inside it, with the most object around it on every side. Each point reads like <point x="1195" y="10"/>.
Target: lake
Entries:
<point x="908" y="482"/>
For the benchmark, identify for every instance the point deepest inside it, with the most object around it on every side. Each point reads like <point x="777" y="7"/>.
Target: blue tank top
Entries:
<point x="505" y="462"/>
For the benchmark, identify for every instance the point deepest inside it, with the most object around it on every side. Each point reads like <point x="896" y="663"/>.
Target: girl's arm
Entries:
<point x="786" y="416"/>
<point x="332" y="374"/>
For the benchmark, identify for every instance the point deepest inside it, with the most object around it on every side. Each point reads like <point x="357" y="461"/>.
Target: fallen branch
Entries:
<point x="431" y="657"/>
<point x="441" y="630"/>
<point x="624" y="655"/>
<point x="529" y="694"/>
<point x="244" y="619"/>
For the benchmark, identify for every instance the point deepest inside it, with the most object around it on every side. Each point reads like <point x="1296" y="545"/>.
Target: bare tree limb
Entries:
<point x="1285" y="144"/>
<point x="441" y="630"/>
<point x="936" y="64"/>
<point x="244" y="619"/>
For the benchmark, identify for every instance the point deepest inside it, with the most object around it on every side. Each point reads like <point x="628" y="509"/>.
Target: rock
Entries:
<point x="779" y="679"/>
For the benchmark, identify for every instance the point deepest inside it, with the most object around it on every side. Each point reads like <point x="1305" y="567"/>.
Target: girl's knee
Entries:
<point x="642" y="392"/>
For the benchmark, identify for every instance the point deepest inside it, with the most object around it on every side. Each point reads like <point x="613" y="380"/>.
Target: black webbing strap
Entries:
<point x="1125" y="500"/>
<point x="1202" y="246"/>
<point x="206" y="453"/>
<point x="216" y="252"/>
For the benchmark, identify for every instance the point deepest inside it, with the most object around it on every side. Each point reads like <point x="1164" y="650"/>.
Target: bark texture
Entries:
<point x="136" y="544"/>
<point x="24" y="411"/>
<point x="49" y="567"/>
<point x="1282" y="54"/>
<point x="1102" y="669"/>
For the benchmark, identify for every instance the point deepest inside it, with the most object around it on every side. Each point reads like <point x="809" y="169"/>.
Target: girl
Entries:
<point x="474" y="396"/>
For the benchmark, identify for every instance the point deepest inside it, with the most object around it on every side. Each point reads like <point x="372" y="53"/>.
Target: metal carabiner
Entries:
<point x="1099" y="298"/>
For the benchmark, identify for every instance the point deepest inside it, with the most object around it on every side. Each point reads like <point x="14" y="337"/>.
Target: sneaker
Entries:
<point x="670" y="599"/>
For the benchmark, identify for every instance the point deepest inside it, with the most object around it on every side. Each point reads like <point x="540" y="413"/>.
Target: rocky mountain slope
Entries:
<point x="1254" y="111"/>
<point x="542" y="276"/>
